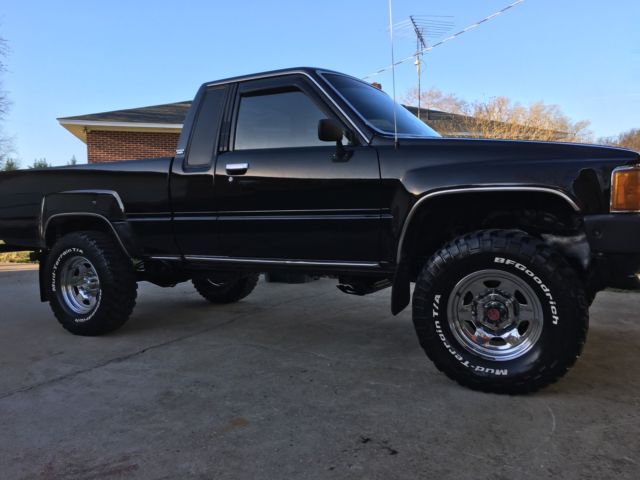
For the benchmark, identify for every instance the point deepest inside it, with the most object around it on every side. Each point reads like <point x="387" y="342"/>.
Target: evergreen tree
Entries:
<point x="40" y="163"/>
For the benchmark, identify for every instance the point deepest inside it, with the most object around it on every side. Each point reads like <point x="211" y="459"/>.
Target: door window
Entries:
<point x="278" y="120"/>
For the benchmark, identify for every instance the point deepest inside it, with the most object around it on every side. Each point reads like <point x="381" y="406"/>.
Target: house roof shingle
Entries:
<point x="170" y="113"/>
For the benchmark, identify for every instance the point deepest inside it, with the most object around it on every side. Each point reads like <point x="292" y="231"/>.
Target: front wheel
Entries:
<point x="500" y="311"/>
<point x="91" y="285"/>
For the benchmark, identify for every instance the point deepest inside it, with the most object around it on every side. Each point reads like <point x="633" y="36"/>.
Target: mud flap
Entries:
<point x="42" y="258"/>
<point x="400" y="290"/>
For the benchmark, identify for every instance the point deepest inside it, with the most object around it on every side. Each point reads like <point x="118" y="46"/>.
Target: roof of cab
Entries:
<point x="270" y="73"/>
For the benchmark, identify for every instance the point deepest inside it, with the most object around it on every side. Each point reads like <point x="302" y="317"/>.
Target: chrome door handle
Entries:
<point x="236" y="168"/>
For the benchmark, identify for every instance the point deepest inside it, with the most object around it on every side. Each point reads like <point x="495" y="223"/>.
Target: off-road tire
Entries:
<point x="117" y="283"/>
<point x="228" y="291"/>
<point x="561" y="295"/>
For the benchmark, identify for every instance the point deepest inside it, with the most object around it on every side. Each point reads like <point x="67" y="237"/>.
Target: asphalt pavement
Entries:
<point x="295" y="382"/>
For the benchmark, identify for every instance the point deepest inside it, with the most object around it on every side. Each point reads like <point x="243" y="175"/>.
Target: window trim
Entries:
<point x="253" y="88"/>
<point x="301" y="73"/>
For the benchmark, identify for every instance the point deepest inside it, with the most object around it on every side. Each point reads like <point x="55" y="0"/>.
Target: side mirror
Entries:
<point x="330" y="130"/>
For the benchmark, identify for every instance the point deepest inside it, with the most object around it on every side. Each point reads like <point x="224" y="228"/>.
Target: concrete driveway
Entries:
<point x="295" y="382"/>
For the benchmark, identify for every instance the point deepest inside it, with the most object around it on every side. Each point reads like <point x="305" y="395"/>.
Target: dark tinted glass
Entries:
<point x="278" y="120"/>
<point x="205" y="132"/>
<point x="376" y="107"/>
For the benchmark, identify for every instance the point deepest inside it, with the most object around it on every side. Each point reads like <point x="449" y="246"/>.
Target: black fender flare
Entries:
<point x="401" y="288"/>
<point x="104" y="206"/>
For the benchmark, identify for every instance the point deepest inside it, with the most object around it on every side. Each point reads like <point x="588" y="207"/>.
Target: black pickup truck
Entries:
<point x="313" y="171"/>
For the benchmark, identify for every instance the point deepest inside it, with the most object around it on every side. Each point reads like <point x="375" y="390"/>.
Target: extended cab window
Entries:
<point x="277" y="120"/>
<point x="205" y="132"/>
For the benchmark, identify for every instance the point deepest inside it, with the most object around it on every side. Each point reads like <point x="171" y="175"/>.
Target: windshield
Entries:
<point x="376" y="107"/>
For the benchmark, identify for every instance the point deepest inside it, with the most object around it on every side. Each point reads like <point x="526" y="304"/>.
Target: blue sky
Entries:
<point x="76" y="57"/>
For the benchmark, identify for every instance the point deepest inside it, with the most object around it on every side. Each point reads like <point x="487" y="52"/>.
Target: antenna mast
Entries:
<point x="424" y="28"/>
<point x="393" y="76"/>
<point x="420" y="45"/>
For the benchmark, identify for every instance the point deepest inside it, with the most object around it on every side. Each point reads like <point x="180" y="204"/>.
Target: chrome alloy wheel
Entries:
<point x="79" y="285"/>
<point x="495" y="315"/>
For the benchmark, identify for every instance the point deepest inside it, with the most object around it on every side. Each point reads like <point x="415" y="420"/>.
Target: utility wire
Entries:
<point x="451" y="37"/>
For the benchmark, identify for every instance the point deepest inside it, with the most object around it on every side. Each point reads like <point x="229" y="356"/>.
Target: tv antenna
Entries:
<point x="425" y="28"/>
<point x="427" y="49"/>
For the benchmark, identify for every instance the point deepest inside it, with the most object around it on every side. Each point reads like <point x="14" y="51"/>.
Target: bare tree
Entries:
<point x="436" y="99"/>
<point x="500" y="117"/>
<point x="629" y="139"/>
<point x="6" y="143"/>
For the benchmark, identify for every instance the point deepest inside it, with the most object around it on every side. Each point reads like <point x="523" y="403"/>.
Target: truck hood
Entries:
<point x="425" y="165"/>
<point x="510" y="150"/>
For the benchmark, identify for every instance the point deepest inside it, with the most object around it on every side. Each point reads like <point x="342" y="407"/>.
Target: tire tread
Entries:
<point x="505" y="242"/>
<point x="117" y="306"/>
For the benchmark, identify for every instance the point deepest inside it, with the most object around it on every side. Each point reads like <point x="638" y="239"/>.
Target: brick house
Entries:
<point x="153" y="131"/>
<point x="129" y="134"/>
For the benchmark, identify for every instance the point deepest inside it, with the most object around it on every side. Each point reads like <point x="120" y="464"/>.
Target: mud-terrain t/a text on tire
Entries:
<point x="91" y="285"/>
<point x="500" y="311"/>
<point x="302" y="172"/>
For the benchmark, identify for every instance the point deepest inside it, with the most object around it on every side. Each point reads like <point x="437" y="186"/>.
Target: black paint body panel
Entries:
<point x="297" y="203"/>
<point x="615" y="233"/>
<point x="420" y="167"/>
<point x="142" y="186"/>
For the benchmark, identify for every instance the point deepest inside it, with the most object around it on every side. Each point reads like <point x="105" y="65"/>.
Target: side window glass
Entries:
<point x="277" y="120"/>
<point x="205" y="132"/>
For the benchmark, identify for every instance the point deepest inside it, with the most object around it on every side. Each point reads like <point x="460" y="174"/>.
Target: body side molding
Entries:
<point x="317" y="263"/>
<point x="267" y="261"/>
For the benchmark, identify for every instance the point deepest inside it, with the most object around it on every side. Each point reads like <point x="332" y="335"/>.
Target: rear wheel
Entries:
<point x="91" y="285"/>
<point x="500" y="311"/>
<point x="224" y="289"/>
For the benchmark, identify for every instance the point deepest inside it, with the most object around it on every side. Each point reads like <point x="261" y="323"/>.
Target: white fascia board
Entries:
<point x="93" y="123"/>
